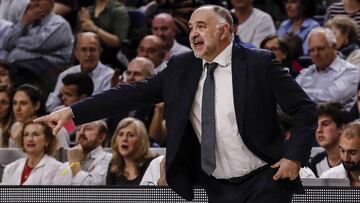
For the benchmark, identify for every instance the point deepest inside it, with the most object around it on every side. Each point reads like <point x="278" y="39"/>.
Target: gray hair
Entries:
<point x="146" y="64"/>
<point x="223" y="14"/>
<point x="329" y="35"/>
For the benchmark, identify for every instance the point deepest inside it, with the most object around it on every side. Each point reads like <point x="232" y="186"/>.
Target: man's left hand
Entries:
<point x="287" y="169"/>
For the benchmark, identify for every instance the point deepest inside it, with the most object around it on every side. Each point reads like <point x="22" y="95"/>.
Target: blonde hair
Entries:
<point x="352" y="129"/>
<point x="142" y="151"/>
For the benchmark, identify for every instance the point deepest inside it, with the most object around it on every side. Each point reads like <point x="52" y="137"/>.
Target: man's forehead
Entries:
<point x="349" y="143"/>
<point x="202" y="15"/>
<point x="325" y="117"/>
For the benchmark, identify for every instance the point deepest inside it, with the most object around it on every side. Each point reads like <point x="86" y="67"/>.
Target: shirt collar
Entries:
<point x="96" y="152"/>
<point x="307" y="22"/>
<point x="334" y="65"/>
<point x="224" y="58"/>
<point x="96" y="70"/>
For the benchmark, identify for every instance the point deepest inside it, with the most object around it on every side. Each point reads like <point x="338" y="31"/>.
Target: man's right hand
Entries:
<point x="56" y="119"/>
<point x="75" y="154"/>
<point x="32" y="15"/>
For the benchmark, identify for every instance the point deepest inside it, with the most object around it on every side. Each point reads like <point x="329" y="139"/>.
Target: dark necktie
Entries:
<point x="208" y="160"/>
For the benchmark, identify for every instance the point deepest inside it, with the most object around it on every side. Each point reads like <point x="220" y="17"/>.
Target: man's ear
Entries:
<point x="103" y="137"/>
<point x="83" y="96"/>
<point x="225" y="31"/>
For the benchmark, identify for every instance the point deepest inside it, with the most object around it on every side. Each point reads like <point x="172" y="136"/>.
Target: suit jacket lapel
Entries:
<point x="239" y="72"/>
<point x="190" y="77"/>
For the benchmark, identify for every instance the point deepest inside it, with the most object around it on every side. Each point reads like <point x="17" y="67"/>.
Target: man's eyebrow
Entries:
<point x="197" y="22"/>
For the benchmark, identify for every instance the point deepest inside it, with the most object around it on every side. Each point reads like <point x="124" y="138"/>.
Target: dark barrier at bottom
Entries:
<point x="140" y="194"/>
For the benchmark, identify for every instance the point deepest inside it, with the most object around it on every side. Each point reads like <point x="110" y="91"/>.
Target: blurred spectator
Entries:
<point x="28" y="103"/>
<point x="346" y="32"/>
<point x="157" y="128"/>
<point x="180" y="10"/>
<point x="4" y="28"/>
<point x="6" y="117"/>
<point x="39" y="45"/>
<point x="332" y="119"/>
<point x="350" y="156"/>
<point x="354" y="111"/>
<point x="155" y="174"/>
<point x="163" y="26"/>
<point x="12" y="10"/>
<point x="330" y="78"/>
<point x="38" y="167"/>
<point x="237" y="39"/>
<point x="273" y="7"/>
<point x="287" y="50"/>
<point x="76" y="86"/>
<point x="138" y="69"/>
<point x="299" y="22"/>
<point x="87" y="52"/>
<point x="254" y="24"/>
<point x="349" y="8"/>
<point x="152" y="47"/>
<point x="69" y="10"/>
<point x="7" y="73"/>
<point x="131" y="153"/>
<point x="110" y="21"/>
<point x="88" y="161"/>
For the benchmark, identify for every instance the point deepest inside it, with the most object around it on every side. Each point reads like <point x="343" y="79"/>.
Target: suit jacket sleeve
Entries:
<point x="295" y="102"/>
<point x="120" y="99"/>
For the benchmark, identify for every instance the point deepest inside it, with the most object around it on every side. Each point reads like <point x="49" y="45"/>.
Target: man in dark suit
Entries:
<point x="240" y="119"/>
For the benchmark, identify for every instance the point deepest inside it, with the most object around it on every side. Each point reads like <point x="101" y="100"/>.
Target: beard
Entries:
<point x="351" y="166"/>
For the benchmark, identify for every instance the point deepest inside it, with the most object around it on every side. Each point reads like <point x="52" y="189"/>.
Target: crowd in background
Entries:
<point x="54" y="53"/>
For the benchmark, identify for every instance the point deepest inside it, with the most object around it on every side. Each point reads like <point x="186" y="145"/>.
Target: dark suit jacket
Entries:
<point x="259" y="84"/>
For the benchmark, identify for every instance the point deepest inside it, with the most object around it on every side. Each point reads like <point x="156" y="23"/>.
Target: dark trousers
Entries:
<point x="258" y="187"/>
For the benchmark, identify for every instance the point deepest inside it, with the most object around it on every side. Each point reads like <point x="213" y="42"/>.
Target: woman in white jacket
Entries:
<point x="38" y="167"/>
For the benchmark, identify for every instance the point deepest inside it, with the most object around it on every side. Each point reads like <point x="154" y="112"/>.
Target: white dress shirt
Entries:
<point x="101" y="77"/>
<point x="233" y="158"/>
<point x="43" y="173"/>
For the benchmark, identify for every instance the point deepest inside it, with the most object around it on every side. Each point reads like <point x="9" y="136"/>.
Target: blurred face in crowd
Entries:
<point x="34" y="139"/>
<point x="89" y="136"/>
<point x="241" y="3"/>
<point x="23" y="108"/>
<point x="163" y="26"/>
<point x="350" y="152"/>
<point x="136" y="71"/>
<point x="321" y="52"/>
<point x="341" y="39"/>
<point x="292" y="8"/>
<point x="327" y="132"/>
<point x="69" y="94"/>
<point x="207" y="34"/>
<point x="45" y="6"/>
<point x="152" y="47"/>
<point x="273" y="45"/>
<point x="4" y="76"/>
<point x="88" y="52"/>
<point x="128" y="140"/>
<point x="4" y="104"/>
